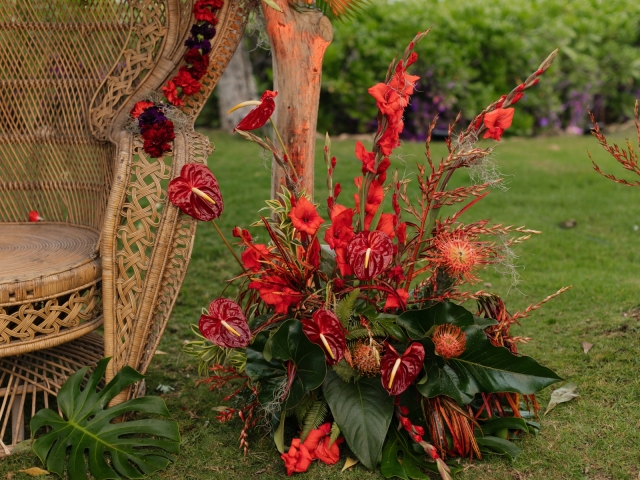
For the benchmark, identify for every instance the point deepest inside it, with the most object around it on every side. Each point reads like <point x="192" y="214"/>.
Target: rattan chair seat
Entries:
<point x="49" y="285"/>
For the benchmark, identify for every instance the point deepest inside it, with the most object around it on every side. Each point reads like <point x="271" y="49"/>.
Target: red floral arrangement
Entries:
<point x="156" y="129"/>
<point x="363" y="340"/>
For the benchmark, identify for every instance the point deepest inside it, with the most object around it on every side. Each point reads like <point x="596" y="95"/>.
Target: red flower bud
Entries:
<point x="404" y="410"/>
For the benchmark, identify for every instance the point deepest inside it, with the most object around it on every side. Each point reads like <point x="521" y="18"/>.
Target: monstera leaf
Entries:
<point x="481" y="368"/>
<point x="363" y="412"/>
<point x="131" y="449"/>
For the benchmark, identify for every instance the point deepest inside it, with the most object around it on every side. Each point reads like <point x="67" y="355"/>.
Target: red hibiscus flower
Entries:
<point x="171" y="92"/>
<point x="225" y="325"/>
<point x="305" y="217"/>
<point x="139" y="108"/>
<point x="156" y="137"/>
<point x="257" y="117"/>
<point x="369" y="254"/>
<point x="196" y="192"/>
<point x="34" y="216"/>
<point x="398" y="372"/>
<point x="326" y="330"/>
<point x="399" y="300"/>
<point x="297" y="459"/>
<point x="497" y="122"/>
<point x="185" y="81"/>
<point x="275" y="291"/>
<point x="202" y="10"/>
<point x="251" y="257"/>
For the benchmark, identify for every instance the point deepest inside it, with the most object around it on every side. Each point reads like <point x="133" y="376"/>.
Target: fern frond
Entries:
<point x="314" y="417"/>
<point x="345" y="307"/>
<point x="344" y="371"/>
<point x="361" y="332"/>
<point x="335" y="433"/>
<point x="303" y="408"/>
<point x="341" y="9"/>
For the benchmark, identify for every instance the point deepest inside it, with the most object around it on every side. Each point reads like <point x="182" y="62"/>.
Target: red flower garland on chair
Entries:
<point x="157" y="131"/>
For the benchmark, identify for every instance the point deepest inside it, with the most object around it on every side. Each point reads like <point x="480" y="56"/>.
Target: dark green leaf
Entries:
<point x="270" y="374"/>
<point x="499" y="446"/>
<point x="420" y="323"/>
<point x="496" y="424"/>
<point x="484" y="322"/>
<point x="133" y="449"/>
<point x="363" y="411"/>
<point x="482" y="368"/>
<point x="399" y="460"/>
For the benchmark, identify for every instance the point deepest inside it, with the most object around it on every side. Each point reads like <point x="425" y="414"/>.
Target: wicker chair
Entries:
<point x="112" y="252"/>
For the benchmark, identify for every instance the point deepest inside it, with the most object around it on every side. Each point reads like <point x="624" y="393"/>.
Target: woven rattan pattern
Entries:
<point x="31" y="381"/>
<point x="54" y="55"/>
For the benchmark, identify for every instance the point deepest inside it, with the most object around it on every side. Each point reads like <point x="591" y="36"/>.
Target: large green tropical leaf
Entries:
<point x="420" y="323"/>
<point x="86" y="434"/>
<point x="363" y="412"/>
<point x="401" y="458"/>
<point x="481" y="368"/>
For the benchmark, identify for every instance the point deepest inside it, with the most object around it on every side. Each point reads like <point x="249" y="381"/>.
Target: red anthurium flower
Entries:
<point x="398" y="372"/>
<point x="326" y="330"/>
<point x="394" y="302"/>
<point x="251" y="257"/>
<point x="497" y="122"/>
<point x="297" y="459"/>
<point x="257" y="117"/>
<point x="196" y="192"/>
<point x="34" y="216"/>
<point x="275" y="291"/>
<point x="225" y="325"/>
<point x="139" y="108"/>
<point x="305" y="217"/>
<point x="369" y="254"/>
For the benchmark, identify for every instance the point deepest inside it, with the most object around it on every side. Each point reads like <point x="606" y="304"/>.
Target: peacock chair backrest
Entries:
<point x="70" y="70"/>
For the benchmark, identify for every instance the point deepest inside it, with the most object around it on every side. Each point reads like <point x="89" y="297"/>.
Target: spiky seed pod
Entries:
<point x="366" y="358"/>
<point x="449" y="340"/>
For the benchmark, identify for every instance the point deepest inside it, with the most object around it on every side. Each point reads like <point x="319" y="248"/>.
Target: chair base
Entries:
<point x="30" y="381"/>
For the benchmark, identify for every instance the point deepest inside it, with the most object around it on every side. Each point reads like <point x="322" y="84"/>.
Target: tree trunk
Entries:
<point x="236" y="85"/>
<point x="298" y="43"/>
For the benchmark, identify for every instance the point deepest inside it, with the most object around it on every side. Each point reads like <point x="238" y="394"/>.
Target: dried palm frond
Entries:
<point x="341" y="9"/>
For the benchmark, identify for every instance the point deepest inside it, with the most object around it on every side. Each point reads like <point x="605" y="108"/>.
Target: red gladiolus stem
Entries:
<point x="284" y="149"/>
<point x="228" y="245"/>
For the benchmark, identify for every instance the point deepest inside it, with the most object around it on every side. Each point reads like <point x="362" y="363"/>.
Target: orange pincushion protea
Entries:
<point x="457" y="253"/>
<point x="449" y="340"/>
<point x="366" y="358"/>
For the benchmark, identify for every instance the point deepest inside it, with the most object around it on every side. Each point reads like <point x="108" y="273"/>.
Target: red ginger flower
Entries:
<point x="276" y="292"/>
<point x="305" y="217"/>
<point x="369" y="254"/>
<point x="251" y="257"/>
<point x="450" y="341"/>
<point x="317" y="442"/>
<point x="225" y="325"/>
<point x="196" y="192"/>
<point x="140" y="107"/>
<point x="258" y="116"/>
<point x="171" y="92"/>
<point x="297" y="459"/>
<point x="398" y="372"/>
<point x="202" y="10"/>
<point x="185" y="81"/>
<point x="326" y="330"/>
<point x="497" y="122"/>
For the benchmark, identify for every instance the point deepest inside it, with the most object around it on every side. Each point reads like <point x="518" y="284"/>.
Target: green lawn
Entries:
<point x="550" y="181"/>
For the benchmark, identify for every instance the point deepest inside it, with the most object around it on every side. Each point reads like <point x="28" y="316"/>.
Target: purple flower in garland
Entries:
<point x="203" y="45"/>
<point x="151" y="116"/>
<point x="205" y="30"/>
